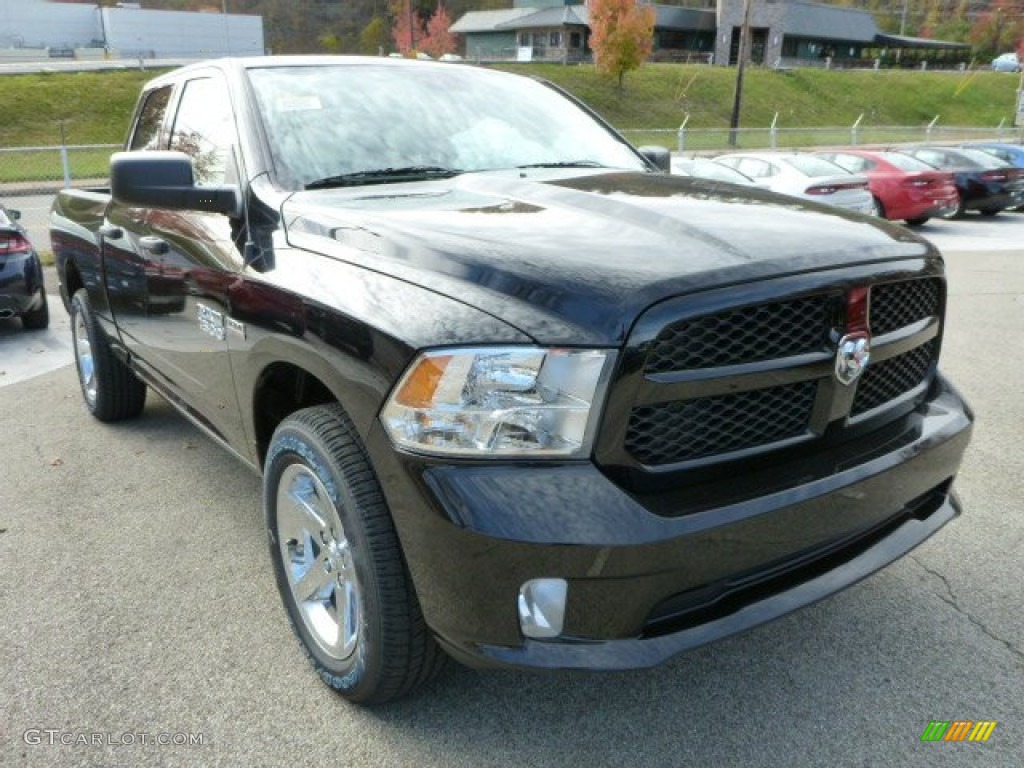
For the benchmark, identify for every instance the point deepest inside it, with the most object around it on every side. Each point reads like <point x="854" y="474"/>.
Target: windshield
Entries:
<point x="324" y="122"/>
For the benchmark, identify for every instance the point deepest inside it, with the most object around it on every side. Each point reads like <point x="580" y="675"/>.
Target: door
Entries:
<point x="124" y="229"/>
<point x="190" y="260"/>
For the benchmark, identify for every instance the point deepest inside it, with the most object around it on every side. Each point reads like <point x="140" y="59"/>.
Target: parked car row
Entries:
<point x="913" y="184"/>
<point x="22" y="293"/>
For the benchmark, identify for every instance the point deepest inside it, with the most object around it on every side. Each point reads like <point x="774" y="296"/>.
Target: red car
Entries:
<point x="903" y="186"/>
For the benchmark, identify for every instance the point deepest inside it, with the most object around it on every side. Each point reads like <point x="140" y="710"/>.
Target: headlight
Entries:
<point x="498" y="401"/>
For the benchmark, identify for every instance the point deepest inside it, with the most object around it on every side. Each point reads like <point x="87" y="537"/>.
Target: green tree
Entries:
<point x="375" y="36"/>
<point x="997" y="30"/>
<point x="330" y="42"/>
<point x="621" y="35"/>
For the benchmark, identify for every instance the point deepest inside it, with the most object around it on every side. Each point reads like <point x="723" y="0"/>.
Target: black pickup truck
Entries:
<point x="518" y="397"/>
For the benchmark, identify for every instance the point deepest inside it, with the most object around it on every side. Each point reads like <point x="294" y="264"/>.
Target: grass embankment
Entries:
<point x="660" y="95"/>
<point x="91" y="107"/>
<point x="95" y="107"/>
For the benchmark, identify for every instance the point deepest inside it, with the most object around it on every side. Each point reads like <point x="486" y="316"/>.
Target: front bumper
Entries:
<point x="644" y="586"/>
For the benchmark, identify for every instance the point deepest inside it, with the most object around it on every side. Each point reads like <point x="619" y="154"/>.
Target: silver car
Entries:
<point x="804" y="176"/>
<point x="1006" y="62"/>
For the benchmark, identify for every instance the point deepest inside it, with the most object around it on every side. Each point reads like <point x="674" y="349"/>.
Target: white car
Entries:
<point x="804" y="176"/>
<point x="1006" y="62"/>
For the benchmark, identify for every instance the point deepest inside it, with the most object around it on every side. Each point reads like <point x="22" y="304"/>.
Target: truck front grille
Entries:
<point x="695" y="405"/>
<point x="895" y="305"/>
<point x="892" y="378"/>
<point x="694" y="429"/>
<point x="743" y="335"/>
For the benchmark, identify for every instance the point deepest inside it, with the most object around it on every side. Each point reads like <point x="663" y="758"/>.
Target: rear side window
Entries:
<point x="151" y="117"/>
<point x="754" y="168"/>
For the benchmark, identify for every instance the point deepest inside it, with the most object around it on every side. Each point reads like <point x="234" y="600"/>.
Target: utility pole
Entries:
<point x="412" y="31"/>
<point x="741" y="62"/>
<point x="103" y="25"/>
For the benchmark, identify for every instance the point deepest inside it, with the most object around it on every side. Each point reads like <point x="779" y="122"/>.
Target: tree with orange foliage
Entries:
<point x="408" y="29"/>
<point x="439" y="40"/>
<point x="621" y="35"/>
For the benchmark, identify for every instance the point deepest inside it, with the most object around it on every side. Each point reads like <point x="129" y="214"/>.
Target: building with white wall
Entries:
<point x="32" y="26"/>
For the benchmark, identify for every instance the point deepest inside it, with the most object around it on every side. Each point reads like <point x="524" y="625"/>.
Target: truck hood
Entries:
<point x="575" y="259"/>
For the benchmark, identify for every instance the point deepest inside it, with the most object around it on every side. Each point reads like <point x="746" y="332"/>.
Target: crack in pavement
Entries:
<point x="952" y="600"/>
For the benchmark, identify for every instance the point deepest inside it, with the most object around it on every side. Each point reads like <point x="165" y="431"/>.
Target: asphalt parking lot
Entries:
<point x="138" y="601"/>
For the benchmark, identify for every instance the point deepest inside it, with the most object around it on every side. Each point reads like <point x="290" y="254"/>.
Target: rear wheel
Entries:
<point x="877" y="208"/>
<point x="959" y="211"/>
<point x="338" y="563"/>
<point x="110" y="390"/>
<point x="38" y="318"/>
<point x="917" y="222"/>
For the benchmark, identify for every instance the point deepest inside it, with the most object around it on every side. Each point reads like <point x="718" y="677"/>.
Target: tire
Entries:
<point x="338" y="563"/>
<point x="110" y="390"/>
<point x="919" y="221"/>
<point x="38" y="318"/>
<point x="990" y="212"/>
<point x="959" y="211"/>
<point x="877" y="208"/>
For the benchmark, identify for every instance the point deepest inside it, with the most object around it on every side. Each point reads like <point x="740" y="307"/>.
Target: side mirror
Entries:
<point x="13" y="214"/>
<point x="659" y="157"/>
<point x="164" y="180"/>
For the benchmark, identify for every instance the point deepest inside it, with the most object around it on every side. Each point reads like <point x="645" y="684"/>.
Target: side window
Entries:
<point x="204" y="129"/>
<point x="151" y="118"/>
<point x="852" y="163"/>
<point x="755" y="169"/>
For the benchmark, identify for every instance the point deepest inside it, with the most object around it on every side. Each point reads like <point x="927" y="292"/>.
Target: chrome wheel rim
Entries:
<point x="317" y="561"/>
<point x="84" y="360"/>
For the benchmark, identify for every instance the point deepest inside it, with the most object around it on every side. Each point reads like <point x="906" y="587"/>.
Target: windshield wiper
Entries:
<point x="385" y="176"/>
<point x="565" y="164"/>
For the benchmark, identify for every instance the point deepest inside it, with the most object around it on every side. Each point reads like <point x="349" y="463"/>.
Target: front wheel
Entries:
<point x="877" y="208"/>
<point x="338" y="562"/>
<point x="110" y="390"/>
<point x="990" y="211"/>
<point x="917" y="222"/>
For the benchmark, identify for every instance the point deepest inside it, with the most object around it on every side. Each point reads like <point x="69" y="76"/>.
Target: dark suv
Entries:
<point x="21" y="275"/>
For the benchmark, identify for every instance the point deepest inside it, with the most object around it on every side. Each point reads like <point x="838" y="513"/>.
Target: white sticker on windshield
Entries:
<point x="299" y="104"/>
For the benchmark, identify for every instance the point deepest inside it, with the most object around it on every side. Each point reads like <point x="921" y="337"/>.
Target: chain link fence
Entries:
<point x="49" y="168"/>
<point x="713" y="140"/>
